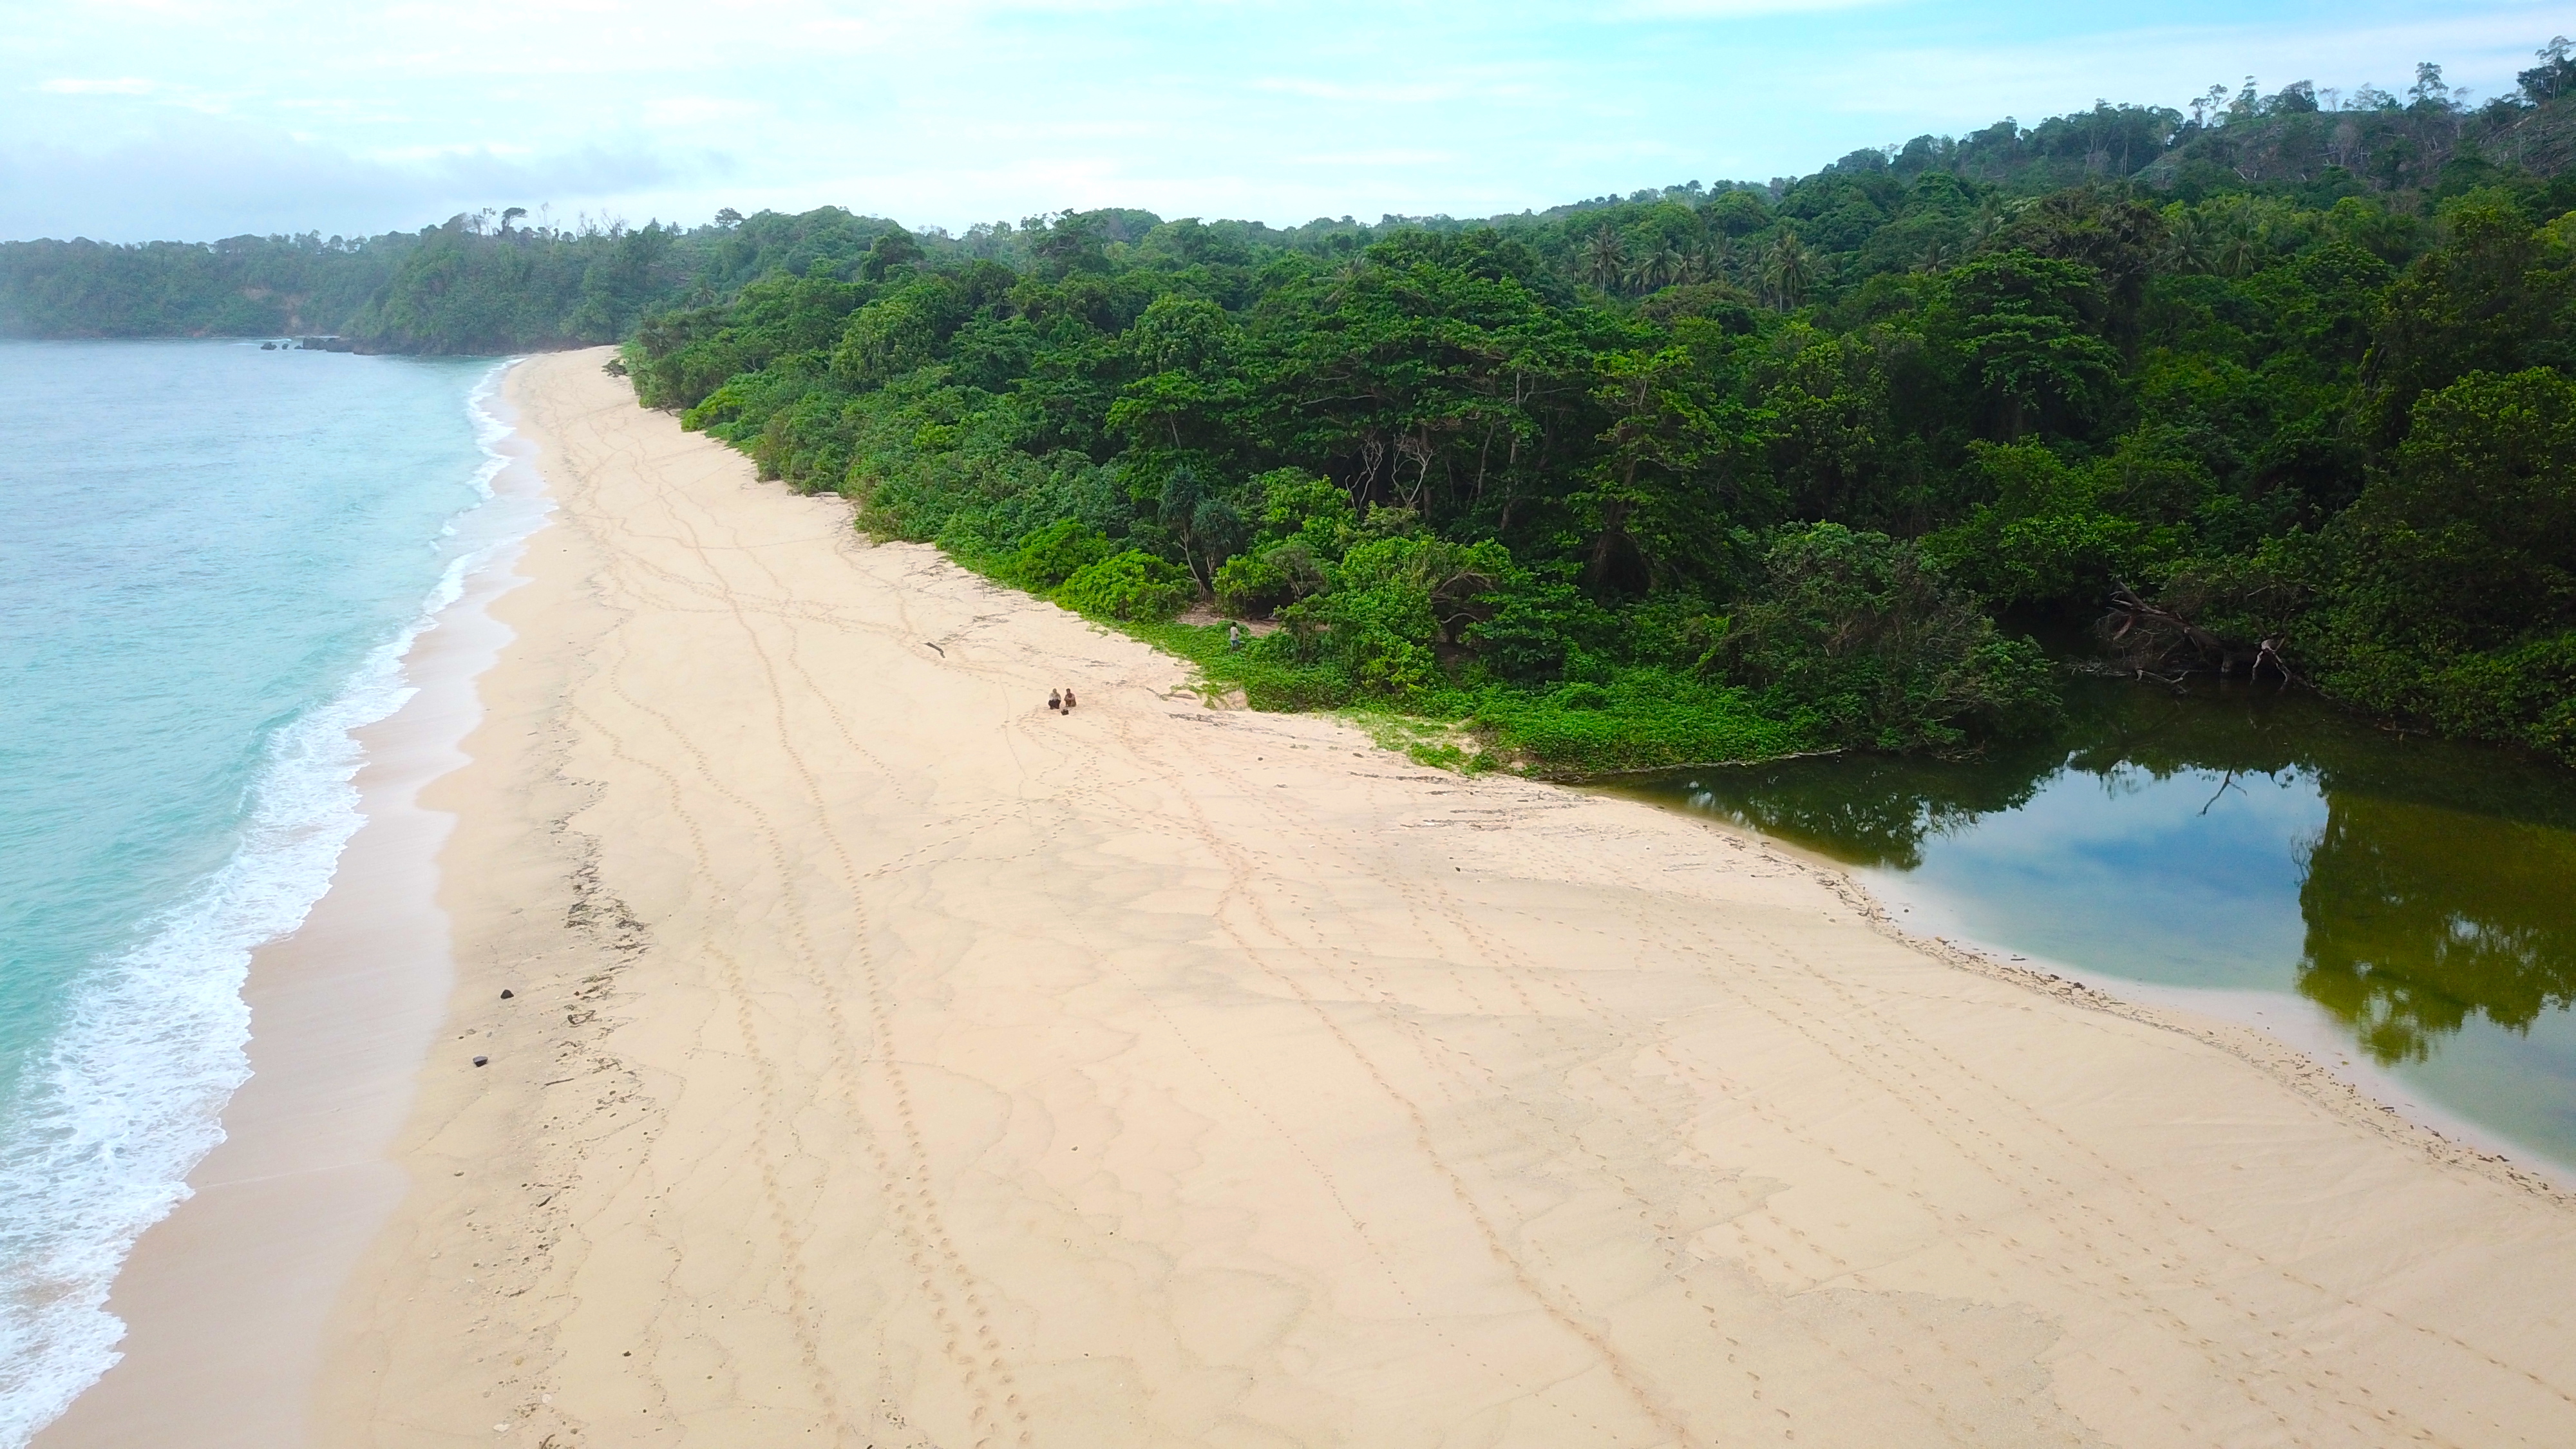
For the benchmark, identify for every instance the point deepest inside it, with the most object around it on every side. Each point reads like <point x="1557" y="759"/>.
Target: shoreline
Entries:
<point x="2286" y="1021"/>
<point x="2290" y="1022"/>
<point x="224" y="1300"/>
<point x="2299" y="1037"/>
<point x="892" y="1061"/>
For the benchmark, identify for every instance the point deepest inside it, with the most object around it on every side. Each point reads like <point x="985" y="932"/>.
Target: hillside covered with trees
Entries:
<point x="472" y="285"/>
<point x="2276" y="386"/>
<point x="1720" y="471"/>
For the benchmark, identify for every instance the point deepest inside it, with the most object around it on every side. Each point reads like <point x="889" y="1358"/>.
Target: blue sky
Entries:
<point x="136" y="119"/>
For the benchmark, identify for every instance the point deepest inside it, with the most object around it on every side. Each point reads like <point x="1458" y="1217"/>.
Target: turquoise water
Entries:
<point x="211" y="560"/>
<point x="2413" y="900"/>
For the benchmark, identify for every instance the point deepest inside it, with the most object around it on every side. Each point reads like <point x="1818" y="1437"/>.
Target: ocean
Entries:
<point x="212" y="561"/>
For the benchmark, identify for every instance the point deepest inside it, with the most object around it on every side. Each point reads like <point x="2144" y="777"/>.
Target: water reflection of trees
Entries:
<point x="2420" y="917"/>
<point x="2261" y="731"/>
<point x="2442" y="887"/>
<point x="1878" y="810"/>
<point x="1868" y="810"/>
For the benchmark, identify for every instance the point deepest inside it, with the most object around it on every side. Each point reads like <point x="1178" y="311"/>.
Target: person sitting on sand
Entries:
<point x="1068" y="699"/>
<point x="1054" y="700"/>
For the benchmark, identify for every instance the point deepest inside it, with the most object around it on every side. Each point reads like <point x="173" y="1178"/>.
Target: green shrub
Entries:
<point x="1297" y="504"/>
<point x="1857" y="631"/>
<point x="1053" y="554"/>
<point x="2526" y="695"/>
<point x="2045" y="537"/>
<point x="1251" y="585"/>
<point x="1128" y="586"/>
<point x="1532" y="624"/>
<point x="1642" y="719"/>
<point x="1384" y="610"/>
<point x="2451" y="585"/>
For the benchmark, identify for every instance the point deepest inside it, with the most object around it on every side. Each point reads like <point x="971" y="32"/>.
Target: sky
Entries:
<point x="130" y="120"/>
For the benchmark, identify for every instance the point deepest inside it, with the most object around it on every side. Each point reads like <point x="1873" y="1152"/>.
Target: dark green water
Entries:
<point x="2418" y="897"/>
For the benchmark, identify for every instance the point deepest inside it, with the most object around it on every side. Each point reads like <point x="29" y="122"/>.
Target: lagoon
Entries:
<point x="2411" y="900"/>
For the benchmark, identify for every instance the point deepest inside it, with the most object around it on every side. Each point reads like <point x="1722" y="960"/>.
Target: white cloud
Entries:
<point x="196" y="179"/>
<point x="374" y="115"/>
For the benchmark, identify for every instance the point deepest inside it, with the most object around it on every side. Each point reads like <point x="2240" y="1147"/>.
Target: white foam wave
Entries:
<point x="130" y="1095"/>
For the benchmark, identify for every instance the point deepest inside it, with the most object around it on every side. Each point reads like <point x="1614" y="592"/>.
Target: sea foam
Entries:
<point x="129" y="1096"/>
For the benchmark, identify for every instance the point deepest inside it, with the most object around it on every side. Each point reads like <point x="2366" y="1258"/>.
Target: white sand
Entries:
<point x="226" y="1302"/>
<point x="896" y="1063"/>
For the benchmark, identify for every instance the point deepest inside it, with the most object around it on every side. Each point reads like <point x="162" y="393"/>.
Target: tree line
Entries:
<point x="1719" y="471"/>
<point x="2275" y="387"/>
<point x="475" y="284"/>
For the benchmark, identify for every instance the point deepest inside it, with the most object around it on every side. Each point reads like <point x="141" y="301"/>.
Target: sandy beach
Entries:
<point x="890" y="1061"/>
<point x="227" y="1301"/>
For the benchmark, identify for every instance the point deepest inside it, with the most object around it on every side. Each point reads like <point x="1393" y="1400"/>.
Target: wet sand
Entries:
<point x="226" y="1301"/>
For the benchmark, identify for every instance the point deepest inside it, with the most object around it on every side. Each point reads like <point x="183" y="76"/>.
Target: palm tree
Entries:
<point x="2186" y="246"/>
<point x="2239" y="252"/>
<point x="1660" y="268"/>
<point x="1787" y="269"/>
<point x="1346" y="277"/>
<point x="1604" y="260"/>
<point x="1989" y="223"/>
<point x="1723" y="263"/>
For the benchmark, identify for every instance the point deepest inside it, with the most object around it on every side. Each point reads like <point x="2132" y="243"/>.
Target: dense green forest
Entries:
<point x="2275" y="387"/>
<point x="473" y="285"/>
<point x="1723" y="471"/>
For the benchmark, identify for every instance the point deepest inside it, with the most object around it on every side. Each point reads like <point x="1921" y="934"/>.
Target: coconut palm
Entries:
<point x="1718" y="261"/>
<point x="1604" y="260"/>
<point x="1989" y="223"/>
<point x="1787" y="269"/>
<point x="1659" y="269"/>
<point x="2187" y="245"/>
<point x="1346" y="278"/>
<point x="2239" y="253"/>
